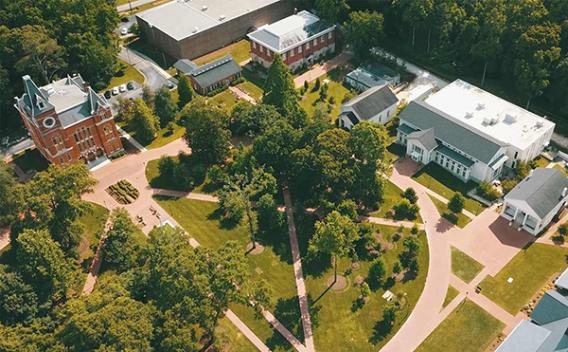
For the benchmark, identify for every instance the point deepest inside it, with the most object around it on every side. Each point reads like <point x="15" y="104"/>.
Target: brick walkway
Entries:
<point x="320" y="70"/>
<point x="298" y="273"/>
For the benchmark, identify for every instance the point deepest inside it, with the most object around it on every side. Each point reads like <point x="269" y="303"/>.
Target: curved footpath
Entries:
<point x="425" y="316"/>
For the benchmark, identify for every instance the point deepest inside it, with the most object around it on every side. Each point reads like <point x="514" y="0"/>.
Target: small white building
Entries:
<point x="371" y="75"/>
<point x="534" y="202"/>
<point x="377" y="104"/>
<point x="474" y="133"/>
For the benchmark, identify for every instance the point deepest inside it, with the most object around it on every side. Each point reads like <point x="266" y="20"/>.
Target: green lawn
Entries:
<point x="31" y="159"/>
<point x="464" y="266"/>
<point x="201" y="220"/>
<point x="240" y="51"/>
<point x="251" y="89"/>
<point x="467" y="329"/>
<point x="224" y="100"/>
<point x="445" y="184"/>
<point x="165" y="137"/>
<point x="530" y="270"/>
<point x="462" y="220"/>
<point x="93" y="222"/>
<point x="337" y="320"/>
<point x="124" y="76"/>
<point x="230" y="339"/>
<point x="335" y="90"/>
<point x="392" y="195"/>
<point x="157" y="181"/>
<point x="451" y="293"/>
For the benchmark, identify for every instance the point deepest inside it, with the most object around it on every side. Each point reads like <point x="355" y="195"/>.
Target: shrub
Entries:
<point x="170" y="128"/>
<point x="414" y="230"/>
<point x="406" y="210"/>
<point x="457" y="203"/>
<point x="317" y="85"/>
<point x="306" y="86"/>
<point x="563" y="229"/>
<point x="410" y="194"/>
<point x="487" y="191"/>
<point x="332" y="100"/>
<point x="396" y="268"/>
<point x="166" y="166"/>
<point x="508" y="184"/>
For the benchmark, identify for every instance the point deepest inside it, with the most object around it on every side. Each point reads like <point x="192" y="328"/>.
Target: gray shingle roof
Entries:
<point x="405" y="129"/>
<point x="185" y="66"/>
<point x="424" y="116"/>
<point x="546" y="332"/>
<point x="455" y="155"/>
<point x="215" y="71"/>
<point x="542" y="190"/>
<point x="425" y="137"/>
<point x="351" y="116"/>
<point x="372" y="101"/>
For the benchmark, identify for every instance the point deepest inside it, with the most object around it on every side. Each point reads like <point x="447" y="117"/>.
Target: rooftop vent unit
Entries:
<point x="222" y="17"/>
<point x="468" y="115"/>
<point x="539" y="124"/>
<point x="204" y="8"/>
<point x="49" y="89"/>
<point x="195" y="29"/>
<point x="480" y="106"/>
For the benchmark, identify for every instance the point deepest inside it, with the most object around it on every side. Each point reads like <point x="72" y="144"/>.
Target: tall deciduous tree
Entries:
<point x="492" y="19"/>
<point x="144" y="122"/>
<point x="280" y="92"/>
<point x="334" y="236"/>
<point x="332" y="10"/>
<point x="10" y="195"/>
<point x="538" y="49"/>
<point x="274" y="147"/>
<point x="207" y="132"/>
<point x="415" y="13"/>
<point x="53" y="200"/>
<point x="19" y="301"/>
<point x="364" y="30"/>
<point x="252" y="120"/>
<point x="185" y="91"/>
<point x="123" y="243"/>
<point x="164" y="106"/>
<point x="42" y="264"/>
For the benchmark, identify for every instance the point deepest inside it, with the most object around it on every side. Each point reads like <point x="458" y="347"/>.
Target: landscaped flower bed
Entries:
<point x="123" y="192"/>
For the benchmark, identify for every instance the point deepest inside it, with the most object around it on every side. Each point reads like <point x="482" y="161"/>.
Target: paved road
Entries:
<point x="155" y="77"/>
<point x="134" y="3"/>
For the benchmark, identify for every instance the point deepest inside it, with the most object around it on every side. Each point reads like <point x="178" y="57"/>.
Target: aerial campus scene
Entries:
<point x="284" y="175"/>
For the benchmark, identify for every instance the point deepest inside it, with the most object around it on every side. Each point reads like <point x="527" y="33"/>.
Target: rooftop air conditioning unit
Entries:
<point x="195" y="29"/>
<point x="222" y="17"/>
<point x="204" y="8"/>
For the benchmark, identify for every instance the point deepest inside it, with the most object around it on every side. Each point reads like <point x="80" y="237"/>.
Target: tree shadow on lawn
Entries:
<point x="279" y="242"/>
<point x="380" y="331"/>
<point x="224" y="223"/>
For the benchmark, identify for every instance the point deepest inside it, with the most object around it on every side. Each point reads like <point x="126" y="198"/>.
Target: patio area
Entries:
<point x="490" y="240"/>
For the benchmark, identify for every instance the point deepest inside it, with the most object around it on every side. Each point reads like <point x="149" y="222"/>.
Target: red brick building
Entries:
<point x="68" y="121"/>
<point x="300" y="39"/>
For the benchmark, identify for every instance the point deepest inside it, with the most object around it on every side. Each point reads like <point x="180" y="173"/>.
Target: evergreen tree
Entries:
<point x="281" y="93"/>
<point x="185" y="91"/>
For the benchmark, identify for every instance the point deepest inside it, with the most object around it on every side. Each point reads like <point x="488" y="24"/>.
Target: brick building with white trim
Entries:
<point x="299" y="39"/>
<point x="68" y="121"/>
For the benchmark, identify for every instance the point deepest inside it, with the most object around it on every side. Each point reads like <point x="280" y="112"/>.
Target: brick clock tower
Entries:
<point x="68" y="121"/>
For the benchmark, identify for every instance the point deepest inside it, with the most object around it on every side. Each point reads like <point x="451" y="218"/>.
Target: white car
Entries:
<point x="123" y="31"/>
<point x="122" y="88"/>
<point x="115" y="91"/>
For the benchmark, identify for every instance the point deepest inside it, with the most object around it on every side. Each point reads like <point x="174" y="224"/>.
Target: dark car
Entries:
<point x="130" y="85"/>
<point x="107" y="94"/>
<point x="171" y="85"/>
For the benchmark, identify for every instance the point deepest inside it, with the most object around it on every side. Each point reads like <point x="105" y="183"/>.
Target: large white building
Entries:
<point x="471" y="133"/>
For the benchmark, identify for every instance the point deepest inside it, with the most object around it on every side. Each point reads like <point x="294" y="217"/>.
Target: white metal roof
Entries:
<point x="489" y="114"/>
<point x="181" y="19"/>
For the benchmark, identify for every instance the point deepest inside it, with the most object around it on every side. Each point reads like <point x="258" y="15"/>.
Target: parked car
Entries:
<point x="122" y="88"/>
<point x="124" y="31"/>
<point x="115" y="91"/>
<point x="170" y="84"/>
<point x="107" y="94"/>
<point x="130" y="85"/>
